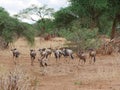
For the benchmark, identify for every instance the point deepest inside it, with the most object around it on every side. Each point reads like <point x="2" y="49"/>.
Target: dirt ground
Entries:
<point x="71" y="75"/>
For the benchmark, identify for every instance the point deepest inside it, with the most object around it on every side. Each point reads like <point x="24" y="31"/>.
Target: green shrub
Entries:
<point x="82" y="38"/>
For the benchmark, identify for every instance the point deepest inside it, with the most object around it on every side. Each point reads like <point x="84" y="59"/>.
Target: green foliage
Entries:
<point x="29" y="34"/>
<point x="11" y="28"/>
<point x="41" y="12"/>
<point x="7" y="26"/>
<point x="89" y="11"/>
<point x="114" y="7"/>
<point x="82" y="38"/>
<point x="102" y="14"/>
<point x="88" y="7"/>
<point x="85" y="38"/>
<point x="7" y="35"/>
<point x="63" y="17"/>
<point x="64" y="33"/>
<point x="49" y="26"/>
<point x="78" y="83"/>
<point x="104" y="25"/>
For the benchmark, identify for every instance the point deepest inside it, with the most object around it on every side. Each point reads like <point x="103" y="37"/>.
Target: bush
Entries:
<point x="81" y="38"/>
<point x="17" y="80"/>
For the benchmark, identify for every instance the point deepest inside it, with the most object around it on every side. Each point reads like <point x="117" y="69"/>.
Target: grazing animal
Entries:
<point x="68" y="52"/>
<point x="45" y="51"/>
<point x="16" y="54"/>
<point x="92" y="54"/>
<point x="58" y="53"/>
<point x="41" y="51"/>
<point x="82" y="56"/>
<point x="32" y="55"/>
<point x="48" y="51"/>
<point x="43" y="61"/>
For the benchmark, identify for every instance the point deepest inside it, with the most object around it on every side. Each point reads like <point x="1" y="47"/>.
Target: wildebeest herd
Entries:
<point x="45" y="53"/>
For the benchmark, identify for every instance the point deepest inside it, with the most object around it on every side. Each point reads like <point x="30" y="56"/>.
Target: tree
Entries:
<point x="90" y="9"/>
<point x="95" y="10"/>
<point x="49" y="25"/>
<point x="35" y="11"/>
<point x="64" y="17"/>
<point x="114" y="12"/>
<point x="11" y="29"/>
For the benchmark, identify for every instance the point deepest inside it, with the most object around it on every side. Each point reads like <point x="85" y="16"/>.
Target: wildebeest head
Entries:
<point x="15" y="52"/>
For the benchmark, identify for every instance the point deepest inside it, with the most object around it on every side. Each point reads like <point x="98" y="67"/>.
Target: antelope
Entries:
<point x="41" y="51"/>
<point x="57" y="53"/>
<point x="43" y="61"/>
<point x="32" y="55"/>
<point x="82" y="56"/>
<point x="45" y="51"/>
<point x="92" y="54"/>
<point x="48" y="51"/>
<point x="68" y="52"/>
<point x="16" y="54"/>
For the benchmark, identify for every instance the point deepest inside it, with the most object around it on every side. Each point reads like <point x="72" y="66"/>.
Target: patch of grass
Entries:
<point x="77" y="83"/>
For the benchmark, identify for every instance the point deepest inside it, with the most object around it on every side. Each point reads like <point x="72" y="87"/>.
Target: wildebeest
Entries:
<point x="16" y="54"/>
<point x="43" y="61"/>
<point x="82" y="56"/>
<point x="32" y="55"/>
<point x="68" y="52"/>
<point x="41" y="51"/>
<point x="45" y="51"/>
<point x="48" y="51"/>
<point x="58" y="53"/>
<point x="92" y="54"/>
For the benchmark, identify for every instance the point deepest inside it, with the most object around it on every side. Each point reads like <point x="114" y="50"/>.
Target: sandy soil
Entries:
<point x="71" y="75"/>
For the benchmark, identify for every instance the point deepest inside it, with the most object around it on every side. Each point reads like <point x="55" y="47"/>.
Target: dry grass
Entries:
<point x="17" y="79"/>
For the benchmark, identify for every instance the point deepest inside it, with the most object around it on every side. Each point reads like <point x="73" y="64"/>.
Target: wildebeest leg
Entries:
<point x="32" y="59"/>
<point x="47" y="56"/>
<point x="46" y="64"/>
<point x="39" y="61"/>
<point x="65" y="58"/>
<point x="94" y="59"/>
<point x="56" y="60"/>
<point x="79" y="61"/>
<point x="56" y="57"/>
<point x="59" y="57"/>
<point x="17" y="60"/>
<point x="72" y="57"/>
<point x="84" y="61"/>
<point x="14" y="60"/>
<point x="41" y="64"/>
<point x="90" y="61"/>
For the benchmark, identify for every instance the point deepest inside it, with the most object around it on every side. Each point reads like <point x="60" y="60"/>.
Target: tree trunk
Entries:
<point x="113" y="29"/>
